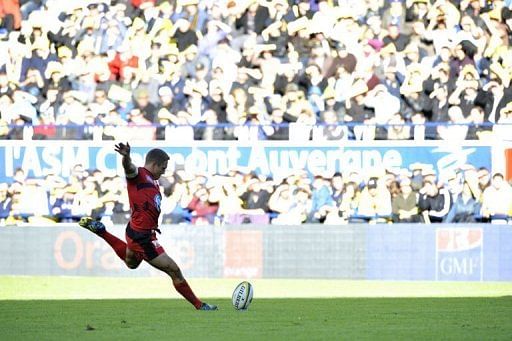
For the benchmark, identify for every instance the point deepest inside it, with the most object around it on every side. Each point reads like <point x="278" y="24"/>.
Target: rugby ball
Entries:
<point x="242" y="296"/>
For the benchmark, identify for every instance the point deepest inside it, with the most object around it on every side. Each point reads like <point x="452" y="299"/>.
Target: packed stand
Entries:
<point x="255" y="69"/>
<point x="414" y="195"/>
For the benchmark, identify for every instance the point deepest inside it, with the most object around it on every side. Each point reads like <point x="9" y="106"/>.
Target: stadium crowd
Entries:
<point x="417" y="194"/>
<point x="252" y="70"/>
<point x="255" y="69"/>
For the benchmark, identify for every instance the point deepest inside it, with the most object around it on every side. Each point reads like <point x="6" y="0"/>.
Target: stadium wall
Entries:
<point x="389" y="252"/>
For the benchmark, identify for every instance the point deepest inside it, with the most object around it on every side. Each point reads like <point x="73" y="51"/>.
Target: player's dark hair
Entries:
<point x="157" y="156"/>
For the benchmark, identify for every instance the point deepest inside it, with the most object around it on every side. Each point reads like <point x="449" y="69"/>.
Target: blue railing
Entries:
<point x="188" y="216"/>
<point x="427" y="130"/>
<point x="266" y="124"/>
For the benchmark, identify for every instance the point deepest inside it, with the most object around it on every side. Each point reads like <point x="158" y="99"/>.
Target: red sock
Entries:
<point x="184" y="289"/>
<point x="117" y="244"/>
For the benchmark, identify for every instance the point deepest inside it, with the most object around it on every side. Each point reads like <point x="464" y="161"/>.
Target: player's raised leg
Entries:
<point x="166" y="264"/>
<point x="129" y="257"/>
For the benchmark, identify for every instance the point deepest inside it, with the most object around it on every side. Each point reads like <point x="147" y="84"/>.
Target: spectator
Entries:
<point x="280" y="201"/>
<point x="394" y="36"/>
<point x="466" y="89"/>
<point x="385" y="105"/>
<point x="211" y="130"/>
<point x="114" y="123"/>
<point x="6" y="87"/>
<point x="464" y="57"/>
<point x="142" y="103"/>
<point x="332" y="130"/>
<point x="493" y="97"/>
<point x="297" y="210"/>
<point x="72" y="110"/>
<point x="434" y="203"/>
<point x="251" y="128"/>
<point x="375" y="201"/>
<point x="203" y="211"/>
<point x="337" y="186"/>
<point x="497" y="200"/>
<point x="502" y="129"/>
<point x="230" y="205"/>
<point x="10" y="15"/>
<point x="184" y="35"/>
<point x="484" y="179"/>
<point x="88" y="197"/>
<point x="405" y="204"/>
<point x="398" y="130"/>
<point x="145" y="130"/>
<point x="230" y="208"/>
<point x="5" y="203"/>
<point x="321" y="197"/>
<point x="101" y="105"/>
<point x="479" y="129"/>
<point x="4" y="129"/>
<point x="257" y="196"/>
<point x="174" y="207"/>
<point x="439" y="104"/>
<point x="465" y="207"/>
<point x="254" y="19"/>
<point x="458" y="130"/>
<point x="394" y="15"/>
<point x="350" y="200"/>
<point x="32" y="200"/>
<point x="38" y="60"/>
<point x="280" y="130"/>
<point x="23" y="106"/>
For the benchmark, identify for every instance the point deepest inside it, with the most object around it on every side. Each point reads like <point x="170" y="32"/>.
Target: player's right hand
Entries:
<point x="123" y="149"/>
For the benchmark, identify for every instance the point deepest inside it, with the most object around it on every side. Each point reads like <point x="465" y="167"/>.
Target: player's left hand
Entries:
<point x="123" y="149"/>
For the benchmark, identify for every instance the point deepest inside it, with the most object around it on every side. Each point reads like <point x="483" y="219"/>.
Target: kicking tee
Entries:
<point x="145" y="198"/>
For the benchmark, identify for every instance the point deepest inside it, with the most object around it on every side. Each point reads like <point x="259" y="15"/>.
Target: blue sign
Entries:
<point x="400" y="252"/>
<point x="497" y="260"/>
<point x="39" y="158"/>
<point x="444" y="253"/>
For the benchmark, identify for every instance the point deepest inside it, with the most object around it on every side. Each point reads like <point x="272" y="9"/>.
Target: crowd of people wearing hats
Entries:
<point x="414" y="195"/>
<point x="255" y="69"/>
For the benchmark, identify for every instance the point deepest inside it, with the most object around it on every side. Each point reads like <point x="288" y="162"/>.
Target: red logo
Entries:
<point x="244" y="254"/>
<point x="458" y="239"/>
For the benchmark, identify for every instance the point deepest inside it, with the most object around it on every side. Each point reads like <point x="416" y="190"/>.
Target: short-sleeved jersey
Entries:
<point x="145" y="198"/>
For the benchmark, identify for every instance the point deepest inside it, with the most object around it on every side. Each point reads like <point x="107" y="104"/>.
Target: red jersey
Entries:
<point x="145" y="198"/>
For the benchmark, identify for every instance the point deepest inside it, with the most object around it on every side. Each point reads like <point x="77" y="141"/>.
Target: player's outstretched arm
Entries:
<point x="129" y="168"/>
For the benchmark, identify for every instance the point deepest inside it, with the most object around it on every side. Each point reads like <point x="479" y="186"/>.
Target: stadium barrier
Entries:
<point x="376" y="252"/>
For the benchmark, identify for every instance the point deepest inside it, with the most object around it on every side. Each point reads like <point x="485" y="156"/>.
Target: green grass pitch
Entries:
<point x="266" y="319"/>
<point x="33" y="308"/>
